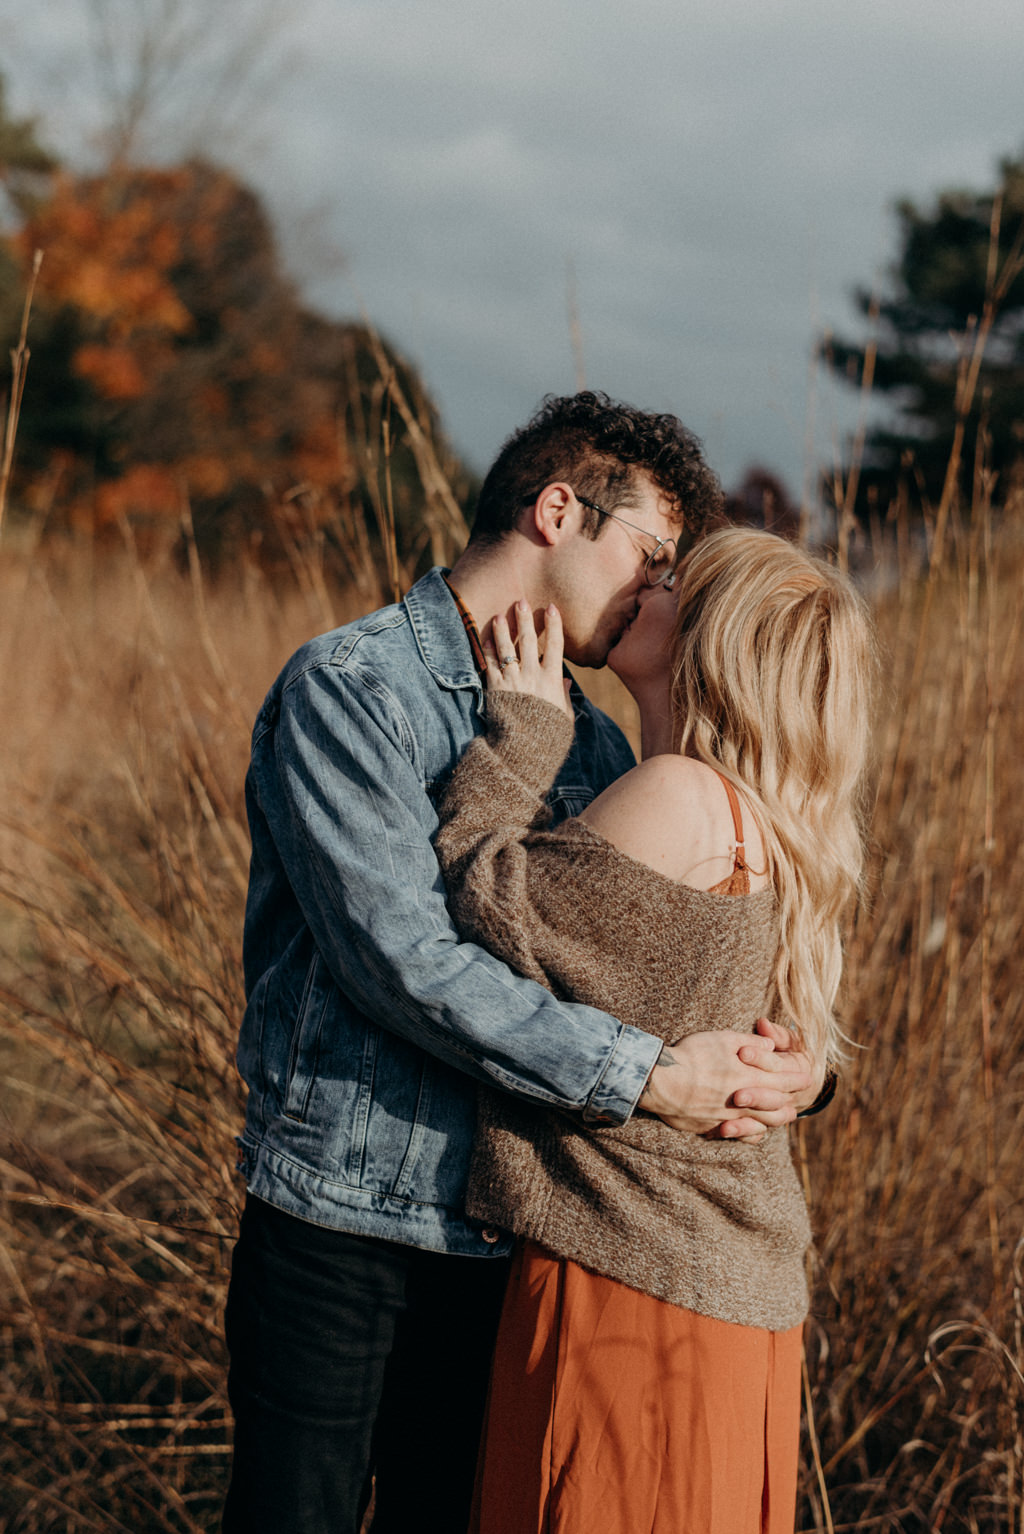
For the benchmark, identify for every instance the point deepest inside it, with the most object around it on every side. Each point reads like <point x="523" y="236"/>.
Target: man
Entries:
<point x="363" y="1300"/>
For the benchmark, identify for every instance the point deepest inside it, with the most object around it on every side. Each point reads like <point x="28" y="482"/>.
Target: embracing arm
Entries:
<point x="799" y="1078"/>
<point x="341" y="843"/>
<point x="514" y="887"/>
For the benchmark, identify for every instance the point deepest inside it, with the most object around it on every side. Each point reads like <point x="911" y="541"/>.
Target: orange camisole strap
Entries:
<point x="738" y="882"/>
<point x="739" y="861"/>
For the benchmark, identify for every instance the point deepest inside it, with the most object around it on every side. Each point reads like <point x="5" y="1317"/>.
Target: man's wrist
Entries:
<point x="825" y="1096"/>
<point x="665" y="1061"/>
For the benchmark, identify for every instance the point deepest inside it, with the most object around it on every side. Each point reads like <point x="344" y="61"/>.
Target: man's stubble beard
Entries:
<point x="593" y="656"/>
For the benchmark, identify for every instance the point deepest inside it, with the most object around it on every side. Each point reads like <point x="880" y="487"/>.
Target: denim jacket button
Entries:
<point x="491" y="1236"/>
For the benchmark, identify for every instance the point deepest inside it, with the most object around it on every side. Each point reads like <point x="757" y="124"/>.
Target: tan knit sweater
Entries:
<point x="717" y="1227"/>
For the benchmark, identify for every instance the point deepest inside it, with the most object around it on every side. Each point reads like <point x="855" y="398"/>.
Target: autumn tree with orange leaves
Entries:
<point x="174" y="366"/>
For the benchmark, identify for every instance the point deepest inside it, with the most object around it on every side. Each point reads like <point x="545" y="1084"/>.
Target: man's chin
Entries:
<point x="595" y="654"/>
<point x="588" y="660"/>
<point x="611" y="652"/>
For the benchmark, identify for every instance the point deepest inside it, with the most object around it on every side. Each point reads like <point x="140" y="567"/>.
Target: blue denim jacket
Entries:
<point x="368" y="1021"/>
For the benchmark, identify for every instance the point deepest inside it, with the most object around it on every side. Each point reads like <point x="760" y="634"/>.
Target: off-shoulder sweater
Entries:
<point x="715" y="1226"/>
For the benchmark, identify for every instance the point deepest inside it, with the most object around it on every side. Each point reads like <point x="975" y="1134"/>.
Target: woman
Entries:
<point x="648" y="1363"/>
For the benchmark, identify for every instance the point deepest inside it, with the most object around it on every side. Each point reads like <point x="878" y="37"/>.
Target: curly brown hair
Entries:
<point x="604" y="449"/>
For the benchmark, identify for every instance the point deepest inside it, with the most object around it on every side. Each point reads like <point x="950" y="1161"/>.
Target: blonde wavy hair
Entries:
<point x="772" y="671"/>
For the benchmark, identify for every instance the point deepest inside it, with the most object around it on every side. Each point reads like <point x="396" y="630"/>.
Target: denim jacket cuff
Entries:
<point x="623" y="1078"/>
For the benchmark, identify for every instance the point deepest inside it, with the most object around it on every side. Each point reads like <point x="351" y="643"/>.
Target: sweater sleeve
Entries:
<point x="500" y="861"/>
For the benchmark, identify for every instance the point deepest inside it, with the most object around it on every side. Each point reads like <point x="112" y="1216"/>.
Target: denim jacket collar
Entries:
<point x="442" y="641"/>
<point x="440" y="636"/>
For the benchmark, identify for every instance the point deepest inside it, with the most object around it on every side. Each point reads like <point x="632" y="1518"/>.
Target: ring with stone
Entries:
<point x="506" y="660"/>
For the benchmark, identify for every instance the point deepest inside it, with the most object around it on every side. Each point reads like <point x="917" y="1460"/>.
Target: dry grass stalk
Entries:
<point x="442" y="515"/>
<point x="19" y="370"/>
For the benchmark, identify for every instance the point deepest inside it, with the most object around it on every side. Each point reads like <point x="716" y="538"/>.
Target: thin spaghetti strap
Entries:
<point x="739" y="860"/>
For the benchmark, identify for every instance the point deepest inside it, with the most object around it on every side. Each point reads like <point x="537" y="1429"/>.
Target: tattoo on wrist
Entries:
<point x="666" y="1058"/>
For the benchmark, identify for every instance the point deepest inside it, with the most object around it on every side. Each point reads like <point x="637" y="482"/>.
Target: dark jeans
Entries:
<point x="352" y="1357"/>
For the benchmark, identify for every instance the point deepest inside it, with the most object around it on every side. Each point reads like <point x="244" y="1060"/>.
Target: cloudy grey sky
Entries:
<point x="717" y="175"/>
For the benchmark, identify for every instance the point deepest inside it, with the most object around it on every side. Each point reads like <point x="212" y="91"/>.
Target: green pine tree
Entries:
<point x="959" y="274"/>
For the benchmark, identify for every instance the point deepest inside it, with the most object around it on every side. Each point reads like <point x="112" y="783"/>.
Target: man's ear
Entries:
<point x="555" y="513"/>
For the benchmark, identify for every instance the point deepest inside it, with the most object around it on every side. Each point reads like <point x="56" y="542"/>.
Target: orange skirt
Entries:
<point x="610" y="1411"/>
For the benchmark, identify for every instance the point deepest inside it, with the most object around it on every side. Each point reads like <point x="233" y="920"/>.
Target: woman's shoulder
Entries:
<point x="672" y="813"/>
<point x="679" y="774"/>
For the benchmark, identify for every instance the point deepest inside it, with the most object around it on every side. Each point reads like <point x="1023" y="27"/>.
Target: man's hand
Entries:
<point x="698" y="1084"/>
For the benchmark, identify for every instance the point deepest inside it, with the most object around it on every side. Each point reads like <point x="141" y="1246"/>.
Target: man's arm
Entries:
<point x="340" y="799"/>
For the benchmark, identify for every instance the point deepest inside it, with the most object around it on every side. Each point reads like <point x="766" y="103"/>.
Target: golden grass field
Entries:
<point x="127" y="693"/>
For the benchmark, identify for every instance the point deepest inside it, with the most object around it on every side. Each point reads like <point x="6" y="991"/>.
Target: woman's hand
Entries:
<point x="528" y="670"/>
<point x="786" y="1055"/>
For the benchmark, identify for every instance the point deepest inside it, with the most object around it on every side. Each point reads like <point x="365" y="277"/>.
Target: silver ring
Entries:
<point x="506" y="660"/>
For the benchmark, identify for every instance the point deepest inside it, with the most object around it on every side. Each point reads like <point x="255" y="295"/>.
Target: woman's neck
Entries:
<point x="656" y="726"/>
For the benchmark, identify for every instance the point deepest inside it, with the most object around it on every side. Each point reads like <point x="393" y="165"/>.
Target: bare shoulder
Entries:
<point x="672" y="813"/>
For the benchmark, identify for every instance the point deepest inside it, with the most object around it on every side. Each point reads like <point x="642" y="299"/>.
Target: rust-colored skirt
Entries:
<point x="614" y="1413"/>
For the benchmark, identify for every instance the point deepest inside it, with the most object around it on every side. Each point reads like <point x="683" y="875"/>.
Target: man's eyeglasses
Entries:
<point x="660" y="566"/>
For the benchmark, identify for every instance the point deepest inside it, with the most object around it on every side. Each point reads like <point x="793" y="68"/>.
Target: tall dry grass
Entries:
<point x="128" y="697"/>
<point x="914" y="1351"/>
<point x="127" y="693"/>
<point x="128" y="688"/>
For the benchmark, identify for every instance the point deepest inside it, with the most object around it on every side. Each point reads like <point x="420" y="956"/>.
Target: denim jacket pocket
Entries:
<point x="304" y="1059"/>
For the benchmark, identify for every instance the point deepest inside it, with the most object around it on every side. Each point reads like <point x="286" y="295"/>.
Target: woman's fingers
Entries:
<point x="497" y="649"/>
<point x="554" y="651"/>
<point x="495" y="676"/>
<point x="528" y="651"/>
<point x="503" y="642"/>
<point x="554" y="642"/>
<point x="518" y="666"/>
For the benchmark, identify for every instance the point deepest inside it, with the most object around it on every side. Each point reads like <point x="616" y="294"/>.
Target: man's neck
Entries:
<point x="492" y="580"/>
